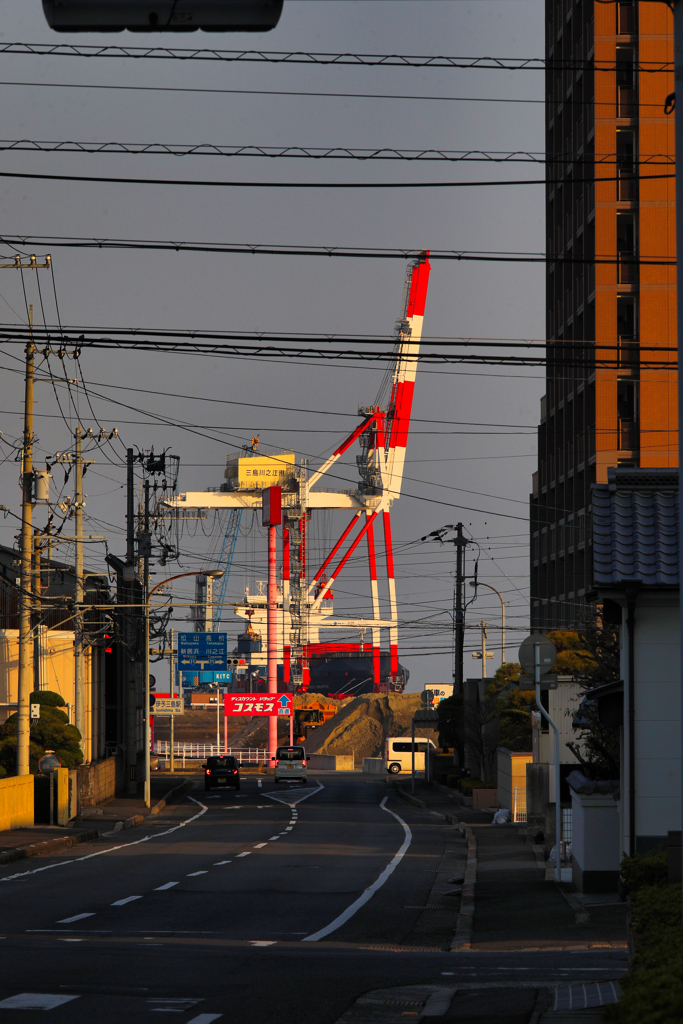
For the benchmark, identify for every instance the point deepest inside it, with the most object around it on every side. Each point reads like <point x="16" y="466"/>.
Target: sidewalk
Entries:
<point x="512" y="905"/>
<point x="119" y="813"/>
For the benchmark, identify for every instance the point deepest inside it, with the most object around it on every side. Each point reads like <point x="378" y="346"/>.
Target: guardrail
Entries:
<point x="200" y="751"/>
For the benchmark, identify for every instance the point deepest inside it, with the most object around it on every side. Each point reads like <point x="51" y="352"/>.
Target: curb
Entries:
<point x="452" y="819"/>
<point x="160" y="804"/>
<point x="138" y="819"/>
<point x="462" y="940"/>
<point x="581" y="916"/>
<point x="48" y="846"/>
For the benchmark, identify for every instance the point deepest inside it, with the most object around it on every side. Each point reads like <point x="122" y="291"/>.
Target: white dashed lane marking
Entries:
<point x="128" y="899"/>
<point x="259" y="845"/>
<point x="273" y="838"/>
<point x="220" y="862"/>
<point x="76" y="917"/>
<point x="167" y="885"/>
<point x="193" y="874"/>
<point x="246" y="854"/>
<point x="205" y="1018"/>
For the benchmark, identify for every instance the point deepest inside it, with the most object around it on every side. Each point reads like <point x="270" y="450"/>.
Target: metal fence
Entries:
<point x="566" y="832"/>
<point x="519" y="813"/>
<point x="200" y="751"/>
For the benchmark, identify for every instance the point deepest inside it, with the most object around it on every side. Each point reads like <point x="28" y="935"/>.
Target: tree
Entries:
<point x="49" y="732"/>
<point x="451" y="727"/>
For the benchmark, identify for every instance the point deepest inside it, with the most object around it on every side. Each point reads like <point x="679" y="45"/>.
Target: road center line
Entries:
<point x="127" y="899"/>
<point x="167" y="885"/>
<point x="220" y="862"/>
<point x="347" y="914"/>
<point x="76" y="917"/>
<point x="193" y="874"/>
<point x="245" y="854"/>
<point x="259" y="845"/>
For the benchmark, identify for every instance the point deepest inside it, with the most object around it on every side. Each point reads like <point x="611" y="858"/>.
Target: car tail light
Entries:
<point x="234" y="771"/>
<point x="276" y="763"/>
<point x="208" y="771"/>
<point x="303" y="763"/>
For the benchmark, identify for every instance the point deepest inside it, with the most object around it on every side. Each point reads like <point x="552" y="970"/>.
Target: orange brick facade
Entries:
<point x="610" y="312"/>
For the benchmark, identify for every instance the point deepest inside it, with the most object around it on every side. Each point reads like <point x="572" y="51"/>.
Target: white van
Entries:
<point x="398" y="754"/>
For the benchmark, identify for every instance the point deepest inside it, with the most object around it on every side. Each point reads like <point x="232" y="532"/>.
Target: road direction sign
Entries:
<point x="548" y="653"/>
<point x="267" y="704"/>
<point x="198" y="652"/>
<point x="426" y="716"/>
<point x="168" y="706"/>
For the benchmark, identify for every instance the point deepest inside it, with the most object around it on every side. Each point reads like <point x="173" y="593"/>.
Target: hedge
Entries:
<point x="467" y="785"/>
<point x="652" y="992"/>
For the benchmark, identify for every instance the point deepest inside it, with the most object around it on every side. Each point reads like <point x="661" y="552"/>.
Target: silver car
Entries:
<point x="290" y="763"/>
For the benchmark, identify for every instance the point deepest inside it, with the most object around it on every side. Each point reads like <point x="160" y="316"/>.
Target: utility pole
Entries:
<point x="172" y="689"/>
<point x="79" y="651"/>
<point x="129" y="624"/>
<point x="483" y="654"/>
<point x="678" y="80"/>
<point x="459" y="608"/>
<point x="25" y="686"/>
<point x="146" y="709"/>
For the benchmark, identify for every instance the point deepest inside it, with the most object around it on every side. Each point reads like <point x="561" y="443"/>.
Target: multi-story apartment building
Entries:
<point x="611" y="303"/>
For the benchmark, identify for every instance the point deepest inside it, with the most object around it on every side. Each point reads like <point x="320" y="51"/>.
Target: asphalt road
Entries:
<point x="276" y="903"/>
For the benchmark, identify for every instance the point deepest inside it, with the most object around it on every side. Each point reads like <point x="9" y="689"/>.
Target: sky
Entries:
<point x="472" y="445"/>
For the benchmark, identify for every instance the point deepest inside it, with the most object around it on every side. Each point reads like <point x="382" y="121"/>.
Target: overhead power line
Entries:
<point x="321" y="152"/>
<point x="311" y="93"/>
<point x="349" y="252"/>
<point x="314" y="184"/>
<point x="299" y="57"/>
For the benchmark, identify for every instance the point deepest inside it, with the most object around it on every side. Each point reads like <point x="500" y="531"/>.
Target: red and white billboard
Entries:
<point x="273" y="705"/>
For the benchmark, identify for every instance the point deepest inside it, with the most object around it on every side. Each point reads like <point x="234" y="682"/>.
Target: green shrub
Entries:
<point x="644" y="869"/>
<point x="452" y="780"/>
<point x="49" y="732"/>
<point x="3" y="772"/>
<point x="653" y="990"/>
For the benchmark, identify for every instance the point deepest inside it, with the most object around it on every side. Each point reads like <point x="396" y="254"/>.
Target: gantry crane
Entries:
<point x="383" y="436"/>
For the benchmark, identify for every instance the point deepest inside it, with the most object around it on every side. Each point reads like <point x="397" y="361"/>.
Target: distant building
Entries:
<point x="611" y="314"/>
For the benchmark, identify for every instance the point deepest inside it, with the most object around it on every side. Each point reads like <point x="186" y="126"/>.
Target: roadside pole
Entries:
<point x="218" y="720"/>
<point x="558" y="809"/>
<point x="172" y="689"/>
<point x="25" y="574"/>
<point x="147" y="709"/>
<point x="272" y="517"/>
<point x="412" y="754"/>
<point x="79" y="651"/>
<point x="678" y="86"/>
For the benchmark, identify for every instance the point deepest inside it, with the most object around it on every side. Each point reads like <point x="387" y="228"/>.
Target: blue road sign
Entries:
<point x="199" y="652"/>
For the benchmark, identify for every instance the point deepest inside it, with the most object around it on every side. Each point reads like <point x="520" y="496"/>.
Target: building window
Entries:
<point x="627" y="182"/>
<point x="627" y="267"/>
<point x="628" y="353"/>
<point x="626" y="82"/>
<point x="626" y="18"/>
<point x="627" y="415"/>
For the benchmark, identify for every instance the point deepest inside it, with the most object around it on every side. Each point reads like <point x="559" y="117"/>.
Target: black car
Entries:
<point x="221" y="769"/>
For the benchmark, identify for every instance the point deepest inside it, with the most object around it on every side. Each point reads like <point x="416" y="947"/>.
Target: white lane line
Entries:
<point x="246" y="854"/>
<point x="76" y="917"/>
<point x="35" y="1001"/>
<point x="347" y="914"/>
<point x="289" y="800"/>
<point x="193" y="874"/>
<point x="292" y="821"/>
<point x="262" y="942"/>
<point x="122" y="903"/>
<point x="167" y="885"/>
<point x="111" y="849"/>
<point x="289" y="828"/>
<point x="219" y="862"/>
<point x="260" y="845"/>
<point x="273" y="838"/>
<point x="205" y="1018"/>
<point x="259" y="784"/>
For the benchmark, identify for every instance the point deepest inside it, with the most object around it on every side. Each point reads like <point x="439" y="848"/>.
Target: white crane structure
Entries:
<point x="305" y="604"/>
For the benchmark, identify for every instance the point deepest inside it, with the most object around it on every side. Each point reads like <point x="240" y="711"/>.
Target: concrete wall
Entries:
<point x="98" y="781"/>
<point x="484" y="798"/>
<point x="374" y="765"/>
<point x="595" y="843"/>
<point x="511" y="774"/>
<point x="657" y="722"/>
<point x="330" y="762"/>
<point x="16" y="802"/>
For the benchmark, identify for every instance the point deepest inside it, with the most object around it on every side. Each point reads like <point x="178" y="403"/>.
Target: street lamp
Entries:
<point x="478" y="583"/>
<point x="215" y="574"/>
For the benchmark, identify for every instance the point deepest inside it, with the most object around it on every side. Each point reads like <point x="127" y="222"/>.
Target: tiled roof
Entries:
<point x="635" y="527"/>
